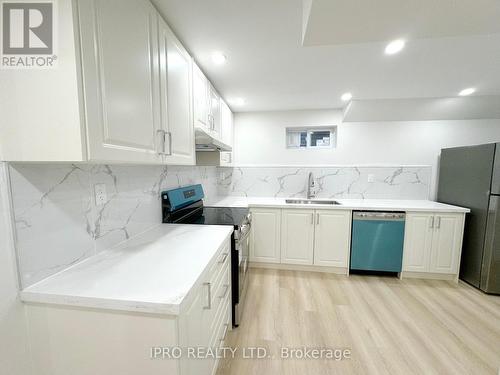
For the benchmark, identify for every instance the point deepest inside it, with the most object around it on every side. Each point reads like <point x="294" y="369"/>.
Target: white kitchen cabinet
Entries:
<point x="120" y="70"/>
<point x="433" y="242"/>
<point x="446" y="243"/>
<point x="332" y="238"/>
<point x="227" y="133"/>
<point x="105" y="101"/>
<point x="266" y="235"/>
<point x="176" y="98"/>
<point x="201" y="99"/>
<point x="214" y="112"/>
<point x="81" y="341"/>
<point x="297" y="236"/>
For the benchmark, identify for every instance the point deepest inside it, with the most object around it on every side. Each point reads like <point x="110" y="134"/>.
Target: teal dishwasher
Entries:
<point x="377" y="241"/>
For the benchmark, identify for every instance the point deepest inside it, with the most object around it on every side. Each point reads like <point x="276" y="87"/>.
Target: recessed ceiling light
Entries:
<point x="467" y="91"/>
<point x="346" y="97"/>
<point x="237" y="101"/>
<point x="219" y="58"/>
<point x="394" y="47"/>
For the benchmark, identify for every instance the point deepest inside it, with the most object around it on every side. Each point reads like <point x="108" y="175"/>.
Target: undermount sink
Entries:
<point x="310" y="201"/>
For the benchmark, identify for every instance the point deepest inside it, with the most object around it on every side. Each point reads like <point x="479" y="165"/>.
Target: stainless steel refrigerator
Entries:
<point x="470" y="177"/>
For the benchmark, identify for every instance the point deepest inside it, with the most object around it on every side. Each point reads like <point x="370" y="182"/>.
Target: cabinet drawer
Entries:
<point x="222" y="324"/>
<point x="220" y="292"/>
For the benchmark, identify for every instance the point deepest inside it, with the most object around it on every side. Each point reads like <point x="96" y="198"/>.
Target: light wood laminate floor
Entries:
<point x="391" y="326"/>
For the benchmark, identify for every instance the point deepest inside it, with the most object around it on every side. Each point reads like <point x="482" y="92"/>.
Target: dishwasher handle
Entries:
<point x="385" y="216"/>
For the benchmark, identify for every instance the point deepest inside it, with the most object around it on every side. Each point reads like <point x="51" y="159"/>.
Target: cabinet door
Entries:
<point x="194" y="333"/>
<point x="446" y="243"/>
<point x="332" y="238"/>
<point x="227" y="129"/>
<point x="176" y="98"/>
<point x="121" y="79"/>
<point x="266" y="229"/>
<point x="297" y="236"/>
<point x="215" y="116"/>
<point x="418" y="242"/>
<point x="200" y="98"/>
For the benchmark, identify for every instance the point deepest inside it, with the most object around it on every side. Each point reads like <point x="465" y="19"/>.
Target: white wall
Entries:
<point x="260" y="140"/>
<point x="14" y="352"/>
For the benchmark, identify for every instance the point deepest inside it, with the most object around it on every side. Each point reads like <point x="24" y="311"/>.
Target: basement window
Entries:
<point x="311" y="138"/>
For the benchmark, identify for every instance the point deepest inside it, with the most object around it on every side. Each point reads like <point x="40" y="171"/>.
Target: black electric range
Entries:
<point x="185" y="206"/>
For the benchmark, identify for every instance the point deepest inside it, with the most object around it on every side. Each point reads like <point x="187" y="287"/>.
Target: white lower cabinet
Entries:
<point x="297" y="236"/>
<point x="265" y="237"/>
<point x="80" y="341"/>
<point x="332" y="238"/>
<point x="433" y="242"/>
<point x="301" y="237"/>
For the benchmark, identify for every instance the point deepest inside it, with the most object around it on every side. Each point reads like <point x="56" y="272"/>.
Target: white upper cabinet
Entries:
<point x="121" y="79"/>
<point x="332" y="238"/>
<point x="297" y="236"/>
<point x="433" y="242"/>
<point x="227" y="124"/>
<point x="214" y="112"/>
<point x="114" y="96"/>
<point x="176" y="98"/>
<point x="200" y="99"/>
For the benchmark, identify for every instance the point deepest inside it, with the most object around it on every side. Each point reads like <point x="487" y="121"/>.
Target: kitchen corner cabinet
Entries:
<point x="297" y="236"/>
<point x="433" y="242"/>
<point x="266" y="235"/>
<point x="107" y="100"/>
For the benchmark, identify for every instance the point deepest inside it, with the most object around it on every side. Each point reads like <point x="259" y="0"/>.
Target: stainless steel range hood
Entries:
<point x="206" y="142"/>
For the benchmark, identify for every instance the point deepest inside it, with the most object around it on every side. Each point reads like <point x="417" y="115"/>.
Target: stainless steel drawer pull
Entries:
<point x="438" y="223"/>
<point x="431" y="222"/>
<point x="209" y="295"/>
<point x="226" y="289"/>
<point x="223" y="259"/>
<point x="225" y="332"/>
<point x="317" y="218"/>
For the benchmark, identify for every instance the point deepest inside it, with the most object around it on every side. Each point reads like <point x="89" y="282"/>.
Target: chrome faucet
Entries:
<point x="310" y="186"/>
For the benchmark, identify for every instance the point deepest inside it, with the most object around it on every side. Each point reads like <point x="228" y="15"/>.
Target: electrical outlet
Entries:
<point x="100" y="194"/>
<point x="371" y="178"/>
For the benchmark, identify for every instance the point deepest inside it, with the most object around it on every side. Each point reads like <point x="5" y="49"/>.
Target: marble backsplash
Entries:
<point x="58" y="223"/>
<point x="330" y="182"/>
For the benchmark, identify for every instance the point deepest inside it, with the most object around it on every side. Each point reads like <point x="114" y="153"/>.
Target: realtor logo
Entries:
<point x="28" y="35"/>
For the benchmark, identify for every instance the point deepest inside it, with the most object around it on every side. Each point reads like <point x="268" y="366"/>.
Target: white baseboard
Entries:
<point x="300" y="267"/>
<point x="429" y="275"/>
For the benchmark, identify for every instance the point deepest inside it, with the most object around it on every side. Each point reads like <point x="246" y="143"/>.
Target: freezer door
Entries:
<point x="465" y="180"/>
<point x="490" y="272"/>
<point x="495" y="182"/>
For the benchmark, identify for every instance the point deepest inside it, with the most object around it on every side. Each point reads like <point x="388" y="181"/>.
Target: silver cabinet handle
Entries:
<point x="224" y="257"/>
<point x="164" y="135"/>
<point x="431" y="223"/>
<point x="438" y="222"/>
<point x="225" y="332"/>
<point x="169" y="143"/>
<point x="209" y="305"/>
<point x="226" y="289"/>
<point x="317" y="218"/>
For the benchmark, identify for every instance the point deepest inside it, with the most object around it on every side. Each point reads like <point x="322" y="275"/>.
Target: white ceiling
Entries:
<point x="268" y="66"/>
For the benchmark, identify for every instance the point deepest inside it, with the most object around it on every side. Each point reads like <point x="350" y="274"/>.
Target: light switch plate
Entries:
<point x="101" y="197"/>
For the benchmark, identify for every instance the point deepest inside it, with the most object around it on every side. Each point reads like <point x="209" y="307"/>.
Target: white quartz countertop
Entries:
<point x="345" y="204"/>
<point x="153" y="272"/>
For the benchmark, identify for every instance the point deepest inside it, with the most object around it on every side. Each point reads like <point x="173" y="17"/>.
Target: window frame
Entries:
<point x="333" y="129"/>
